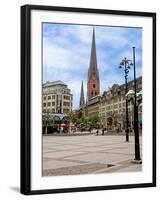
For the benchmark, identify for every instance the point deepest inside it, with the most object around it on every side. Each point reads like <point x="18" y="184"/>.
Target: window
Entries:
<point x="49" y="104"/>
<point x="94" y="86"/>
<point x="53" y="103"/>
<point x="53" y="96"/>
<point x="65" y="110"/>
<point x="44" y="98"/>
<point x="59" y="104"/>
<point x="49" y="97"/>
<point x="95" y="93"/>
<point x="44" y="104"/>
<point x="66" y="97"/>
<point x="66" y="104"/>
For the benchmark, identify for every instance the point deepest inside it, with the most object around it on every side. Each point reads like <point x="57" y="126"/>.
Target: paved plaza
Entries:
<point x="88" y="154"/>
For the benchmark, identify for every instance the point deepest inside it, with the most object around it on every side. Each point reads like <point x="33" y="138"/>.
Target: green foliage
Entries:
<point x="84" y="119"/>
<point x="79" y="121"/>
<point x="74" y="118"/>
<point x="48" y="120"/>
<point x="94" y="119"/>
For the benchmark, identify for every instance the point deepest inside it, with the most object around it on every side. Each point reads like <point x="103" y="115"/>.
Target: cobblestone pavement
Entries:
<point x="88" y="154"/>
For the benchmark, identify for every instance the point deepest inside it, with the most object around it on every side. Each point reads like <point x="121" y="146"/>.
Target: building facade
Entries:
<point x="57" y="98"/>
<point x="113" y="105"/>
<point x="93" y="106"/>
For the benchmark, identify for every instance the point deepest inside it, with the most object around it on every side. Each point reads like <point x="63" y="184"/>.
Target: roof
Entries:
<point x="121" y="88"/>
<point x="138" y="80"/>
<point x="58" y="82"/>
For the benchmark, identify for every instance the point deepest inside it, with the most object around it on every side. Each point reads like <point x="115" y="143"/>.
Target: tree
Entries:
<point x="94" y="119"/>
<point x="79" y="121"/>
<point x="74" y="118"/>
<point x="47" y="121"/>
<point x="85" y="120"/>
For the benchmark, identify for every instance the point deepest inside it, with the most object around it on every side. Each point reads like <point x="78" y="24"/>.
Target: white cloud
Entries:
<point x="64" y="57"/>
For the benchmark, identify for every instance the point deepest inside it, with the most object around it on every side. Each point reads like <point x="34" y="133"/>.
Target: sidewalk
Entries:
<point x="89" y="154"/>
<point x="93" y="132"/>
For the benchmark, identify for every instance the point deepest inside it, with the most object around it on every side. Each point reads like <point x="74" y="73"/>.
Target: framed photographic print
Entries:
<point x="88" y="99"/>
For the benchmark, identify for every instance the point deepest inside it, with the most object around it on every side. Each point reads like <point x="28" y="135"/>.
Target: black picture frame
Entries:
<point x="25" y="183"/>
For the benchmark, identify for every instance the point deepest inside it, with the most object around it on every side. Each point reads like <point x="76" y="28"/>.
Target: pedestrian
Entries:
<point x="97" y="132"/>
<point x="103" y="131"/>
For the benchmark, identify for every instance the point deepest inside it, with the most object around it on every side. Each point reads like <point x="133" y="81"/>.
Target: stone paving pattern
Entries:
<point x="88" y="154"/>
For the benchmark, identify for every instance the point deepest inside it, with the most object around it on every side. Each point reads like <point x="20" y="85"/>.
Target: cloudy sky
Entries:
<point x="67" y="48"/>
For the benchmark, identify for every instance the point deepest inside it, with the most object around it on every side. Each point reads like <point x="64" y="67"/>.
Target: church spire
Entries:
<point x="93" y="59"/>
<point x="93" y="84"/>
<point x="82" y="101"/>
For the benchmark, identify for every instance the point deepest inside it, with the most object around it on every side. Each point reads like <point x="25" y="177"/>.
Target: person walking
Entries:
<point x="97" y="131"/>
<point x="102" y="131"/>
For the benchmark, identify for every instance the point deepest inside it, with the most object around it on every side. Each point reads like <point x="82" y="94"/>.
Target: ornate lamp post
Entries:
<point x="126" y="64"/>
<point x="136" y="128"/>
<point x="130" y="96"/>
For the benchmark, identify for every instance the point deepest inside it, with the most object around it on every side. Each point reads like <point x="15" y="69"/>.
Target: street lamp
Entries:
<point x="126" y="64"/>
<point x="130" y="96"/>
<point x="136" y="128"/>
<point x="137" y="98"/>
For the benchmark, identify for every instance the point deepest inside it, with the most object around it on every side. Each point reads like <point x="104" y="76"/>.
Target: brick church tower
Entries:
<point x="93" y="84"/>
